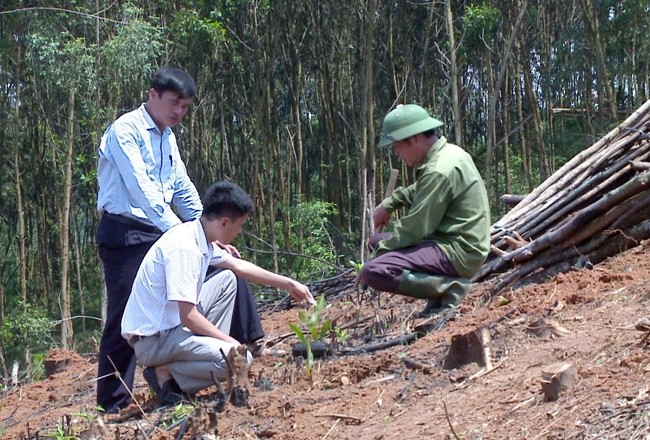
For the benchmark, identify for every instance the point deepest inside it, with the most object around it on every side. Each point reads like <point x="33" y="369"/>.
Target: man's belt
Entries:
<point x="132" y="223"/>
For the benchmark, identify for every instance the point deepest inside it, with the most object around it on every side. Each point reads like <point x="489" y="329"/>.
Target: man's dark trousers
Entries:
<point x="122" y="247"/>
<point x="246" y="326"/>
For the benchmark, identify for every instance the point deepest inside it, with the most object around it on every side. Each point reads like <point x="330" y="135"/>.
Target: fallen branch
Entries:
<point x="421" y="331"/>
<point x="383" y="379"/>
<point x="417" y="365"/>
<point x="449" y="421"/>
<point x="486" y="371"/>
<point x="341" y="416"/>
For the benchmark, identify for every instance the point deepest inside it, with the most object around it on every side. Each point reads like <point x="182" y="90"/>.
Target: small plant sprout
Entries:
<point x="341" y="334"/>
<point x="357" y="266"/>
<point x="180" y="412"/>
<point x="316" y="330"/>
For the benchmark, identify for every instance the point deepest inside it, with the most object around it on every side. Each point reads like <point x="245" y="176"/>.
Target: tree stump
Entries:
<point x="56" y="362"/>
<point x="472" y="347"/>
<point x="557" y="378"/>
<point x="96" y="430"/>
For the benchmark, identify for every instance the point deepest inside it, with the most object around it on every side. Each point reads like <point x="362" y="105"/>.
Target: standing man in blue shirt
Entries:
<point x="141" y="178"/>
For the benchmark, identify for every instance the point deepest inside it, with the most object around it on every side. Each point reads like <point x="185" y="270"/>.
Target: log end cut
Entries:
<point x="557" y="378"/>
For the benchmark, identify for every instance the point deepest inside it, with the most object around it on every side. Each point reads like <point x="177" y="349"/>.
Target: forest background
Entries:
<point x="291" y="95"/>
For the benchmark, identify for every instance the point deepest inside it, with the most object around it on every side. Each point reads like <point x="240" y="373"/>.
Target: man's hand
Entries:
<point x="380" y="217"/>
<point x="232" y="250"/>
<point x="300" y="293"/>
<point x="255" y="274"/>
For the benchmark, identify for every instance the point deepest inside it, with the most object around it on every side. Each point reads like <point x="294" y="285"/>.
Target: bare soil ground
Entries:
<point x="379" y="395"/>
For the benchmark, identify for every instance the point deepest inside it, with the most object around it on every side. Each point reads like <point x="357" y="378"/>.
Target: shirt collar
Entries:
<point x="204" y="246"/>
<point x="149" y="120"/>
<point x="435" y="148"/>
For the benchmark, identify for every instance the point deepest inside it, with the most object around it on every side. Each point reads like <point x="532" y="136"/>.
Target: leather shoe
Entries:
<point x="149" y="374"/>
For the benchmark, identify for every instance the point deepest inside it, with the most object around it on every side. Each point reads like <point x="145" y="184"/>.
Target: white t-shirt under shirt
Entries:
<point x="173" y="270"/>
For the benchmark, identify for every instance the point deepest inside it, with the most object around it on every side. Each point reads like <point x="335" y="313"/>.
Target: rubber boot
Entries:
<point x="443" y="292"/>
<point x="456" y="290"/>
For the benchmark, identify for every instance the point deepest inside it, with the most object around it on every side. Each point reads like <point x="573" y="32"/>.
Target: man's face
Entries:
<point x="230" y="228"/>
<point x="167" y="108"/>
<point x="407" y="151"/>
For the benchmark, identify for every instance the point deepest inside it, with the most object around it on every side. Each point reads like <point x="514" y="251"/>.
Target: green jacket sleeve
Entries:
<point x="430" y="196"/>
<point x="401" y="197"/>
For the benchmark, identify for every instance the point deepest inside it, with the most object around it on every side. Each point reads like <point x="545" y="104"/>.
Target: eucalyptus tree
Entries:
<point x="63" y="81"/>
<point x="62" y="96"/>
<point x="12" y="45"/>
<point x="628" y="51"/>
<point x="592" y="15"/>
<point x="290" y="95"/>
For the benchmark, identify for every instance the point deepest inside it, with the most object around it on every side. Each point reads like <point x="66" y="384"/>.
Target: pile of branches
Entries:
<point x="333" y="287"/>
<point x="594" y="207"/>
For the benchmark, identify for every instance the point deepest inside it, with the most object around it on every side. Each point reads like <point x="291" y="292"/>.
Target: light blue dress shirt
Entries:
<point x="141" y="174"/>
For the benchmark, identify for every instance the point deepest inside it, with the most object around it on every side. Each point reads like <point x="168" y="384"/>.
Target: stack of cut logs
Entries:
<point x="595" y="206"/>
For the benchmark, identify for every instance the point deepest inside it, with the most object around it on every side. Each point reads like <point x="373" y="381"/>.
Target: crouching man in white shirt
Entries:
<point x="178" y="325"/>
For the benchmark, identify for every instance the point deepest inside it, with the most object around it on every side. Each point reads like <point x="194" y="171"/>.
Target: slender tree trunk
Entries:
<point x="591" y="17"/>
<point x="494" y="90"/>
<point x="66" y="324"/>
<point x="455" y="94"/>
<point x="300" y="149"/>
<point x="367" y="121"/>
<point x="20" y="209"/>
<point x="102" y="287"/>
<point x="544" y="167"/>
<point x="427" y="73"/>
<point x="507" y="175"/>
<point x="491" y="128"/>
<point x="523" y="136"/>
<point x="78" y="260"/>
<point x="265" y="108"/>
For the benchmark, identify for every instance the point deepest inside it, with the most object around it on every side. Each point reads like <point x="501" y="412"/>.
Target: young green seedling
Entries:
<point x="315" y="330"/>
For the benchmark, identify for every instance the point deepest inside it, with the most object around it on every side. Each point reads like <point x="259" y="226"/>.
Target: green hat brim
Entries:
<point x="387" y="139"/>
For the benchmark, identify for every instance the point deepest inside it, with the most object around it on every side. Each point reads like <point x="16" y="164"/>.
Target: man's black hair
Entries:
<point x="174" y="80"/>
<point x="429" y="133"/>
<point x="226" y="199"/>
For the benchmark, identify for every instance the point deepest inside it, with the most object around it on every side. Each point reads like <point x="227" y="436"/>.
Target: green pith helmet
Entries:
<point x="405" y="121"/>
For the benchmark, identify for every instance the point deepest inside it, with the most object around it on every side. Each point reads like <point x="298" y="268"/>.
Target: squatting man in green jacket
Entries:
<point x="444" y="236"/>
<point x="179" y="325"/>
